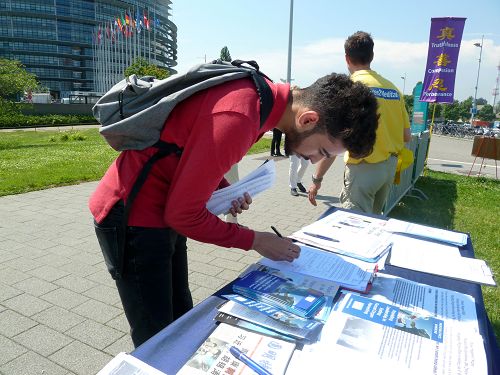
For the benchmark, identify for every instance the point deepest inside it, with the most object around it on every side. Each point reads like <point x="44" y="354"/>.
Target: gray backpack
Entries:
<point x="132" y="113"/>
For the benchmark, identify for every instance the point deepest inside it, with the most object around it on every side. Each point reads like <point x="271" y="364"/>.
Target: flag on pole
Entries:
<point x="127" y="18"/>
<point x="137" y="21"/>
<point x="442" y="57"/>
<point x="146" y="21"/>
<point x="99" y="35"/>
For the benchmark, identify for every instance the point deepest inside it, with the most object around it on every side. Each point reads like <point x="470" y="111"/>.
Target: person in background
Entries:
<point x="367" y="180"/>
<point x="298" y="168"/>
<point x="276" y="143"/>
<point x="215" y="128"/>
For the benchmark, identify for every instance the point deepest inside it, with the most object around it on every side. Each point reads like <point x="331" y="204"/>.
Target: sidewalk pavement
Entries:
<point x="60" y="312"/>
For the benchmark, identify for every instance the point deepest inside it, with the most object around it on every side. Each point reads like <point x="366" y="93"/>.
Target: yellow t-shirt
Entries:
<point x="392" y="121"/>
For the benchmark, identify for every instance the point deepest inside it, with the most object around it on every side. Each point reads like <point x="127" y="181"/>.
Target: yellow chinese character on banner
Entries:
<point x="442" y="59"/>
<point x="437" y="84"/>
<point x="446" y="33"/>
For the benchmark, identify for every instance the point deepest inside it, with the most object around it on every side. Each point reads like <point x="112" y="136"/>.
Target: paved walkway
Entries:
<point x="59" y="309"/>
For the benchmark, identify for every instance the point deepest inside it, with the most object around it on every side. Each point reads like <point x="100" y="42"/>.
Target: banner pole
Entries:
<point x="432" y="120"/>
<point x="430" y="136"/>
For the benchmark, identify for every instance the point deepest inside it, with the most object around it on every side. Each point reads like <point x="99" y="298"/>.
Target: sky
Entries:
<point x="259" y="30"/>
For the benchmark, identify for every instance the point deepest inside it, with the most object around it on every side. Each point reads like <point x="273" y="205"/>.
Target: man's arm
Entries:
<point x="321" y="168"/>
<point x="407" y="135"/>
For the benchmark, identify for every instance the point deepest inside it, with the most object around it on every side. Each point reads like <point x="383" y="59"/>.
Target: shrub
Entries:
<point x="18" y="120"/>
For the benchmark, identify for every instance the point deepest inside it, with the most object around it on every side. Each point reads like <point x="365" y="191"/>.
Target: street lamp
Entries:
<point x="474" y="105"/>
<point x="404" y="84"/>
<point x="290" y="28"/>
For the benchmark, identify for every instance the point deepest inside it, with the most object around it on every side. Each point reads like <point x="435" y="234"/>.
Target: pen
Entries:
<point x="321" y="237"/>
<point x="276" y="231"/>
<point x="248" y="361"/>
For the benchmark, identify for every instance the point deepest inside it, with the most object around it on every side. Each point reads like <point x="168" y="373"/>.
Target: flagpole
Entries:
<point x="154" y="28"/>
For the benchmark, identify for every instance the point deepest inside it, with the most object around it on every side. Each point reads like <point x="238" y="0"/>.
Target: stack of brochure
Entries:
<point x="280" y="320"/>
<point x="254" y="183"/>
<point x="280" y="293"/>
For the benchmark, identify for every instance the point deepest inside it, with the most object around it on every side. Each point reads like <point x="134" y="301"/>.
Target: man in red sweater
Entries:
<point x="215" y="128"/>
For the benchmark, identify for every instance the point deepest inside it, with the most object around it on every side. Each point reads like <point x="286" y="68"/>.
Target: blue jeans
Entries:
<point x="153" y="286"/>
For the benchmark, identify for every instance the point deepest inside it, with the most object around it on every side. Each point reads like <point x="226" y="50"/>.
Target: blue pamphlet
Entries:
<point x="280" y="292"/>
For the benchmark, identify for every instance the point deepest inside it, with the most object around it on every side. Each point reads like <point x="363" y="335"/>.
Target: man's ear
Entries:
<point x="307" y="120"/>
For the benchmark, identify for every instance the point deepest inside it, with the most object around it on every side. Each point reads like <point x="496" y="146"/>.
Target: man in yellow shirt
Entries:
<point x="367" y="181"/>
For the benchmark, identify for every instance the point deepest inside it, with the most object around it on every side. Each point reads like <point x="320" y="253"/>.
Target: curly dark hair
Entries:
<point x="347" y="111"/>
<point x="359" y="48"/>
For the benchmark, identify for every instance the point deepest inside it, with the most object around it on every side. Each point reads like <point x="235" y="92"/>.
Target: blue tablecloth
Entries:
<point x="170" y="349"/>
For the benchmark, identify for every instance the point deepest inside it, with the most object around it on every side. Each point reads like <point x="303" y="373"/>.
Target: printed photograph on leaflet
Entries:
<point x="388" y="315"/>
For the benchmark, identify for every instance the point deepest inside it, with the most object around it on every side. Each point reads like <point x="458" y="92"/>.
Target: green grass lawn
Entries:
<point x="37" y="160"/>
<point x="32" y="160"/>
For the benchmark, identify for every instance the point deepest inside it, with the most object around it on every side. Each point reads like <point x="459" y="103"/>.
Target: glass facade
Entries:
<point x="76" y="45"/>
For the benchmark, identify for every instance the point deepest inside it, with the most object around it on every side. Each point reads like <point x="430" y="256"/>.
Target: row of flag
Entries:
<point x="125" y="24"/>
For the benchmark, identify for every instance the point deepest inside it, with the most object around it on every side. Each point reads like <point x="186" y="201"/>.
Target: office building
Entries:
<point x="83" y="46"/>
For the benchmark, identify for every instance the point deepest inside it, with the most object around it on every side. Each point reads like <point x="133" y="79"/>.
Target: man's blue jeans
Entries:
<point x="153" y="285"/>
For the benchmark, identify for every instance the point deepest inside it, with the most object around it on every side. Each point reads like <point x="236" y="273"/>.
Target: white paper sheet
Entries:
<point x="438" y="259"/>
<point x="254" y="183"/>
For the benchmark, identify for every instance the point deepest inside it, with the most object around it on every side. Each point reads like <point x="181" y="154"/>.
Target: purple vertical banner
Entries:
<point x="442" y="58"/>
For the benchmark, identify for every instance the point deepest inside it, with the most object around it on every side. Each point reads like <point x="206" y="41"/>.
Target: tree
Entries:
<point x="141" y="67"/>
<point x="481" y="101"/>
<point x="464" y="108"/>
<point x="14" y="79"/>
<point x="451" y="111"/>
<point x="225" y="55"/>
<point x="409" y="104"/>
<point x="486" y="113"/>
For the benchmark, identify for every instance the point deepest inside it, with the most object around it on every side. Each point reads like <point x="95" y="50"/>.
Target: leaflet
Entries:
<point x="346" y="233"/>
<point x="254" y="183"/>
<point x="445" y="304"/>
<point x="215" y="354"/>
<point x="346" y="339"/>
<point x="399" y="226"/>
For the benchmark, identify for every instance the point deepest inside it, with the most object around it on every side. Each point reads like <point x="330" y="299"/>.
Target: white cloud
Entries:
<point x="392" y="59"/>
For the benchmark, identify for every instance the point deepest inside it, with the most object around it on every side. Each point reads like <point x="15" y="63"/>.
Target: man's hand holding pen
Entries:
<point x="275" y="247"/>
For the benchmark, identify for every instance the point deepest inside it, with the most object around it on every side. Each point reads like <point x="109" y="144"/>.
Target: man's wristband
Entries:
<point x="316" y="180"/>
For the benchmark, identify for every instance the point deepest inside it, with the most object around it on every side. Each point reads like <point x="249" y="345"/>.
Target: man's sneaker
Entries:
<point x="301" y="187"/>
<point x="293" y="191"/>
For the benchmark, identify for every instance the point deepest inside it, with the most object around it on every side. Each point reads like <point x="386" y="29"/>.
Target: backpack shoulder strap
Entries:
<point x="266" y="97"/>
